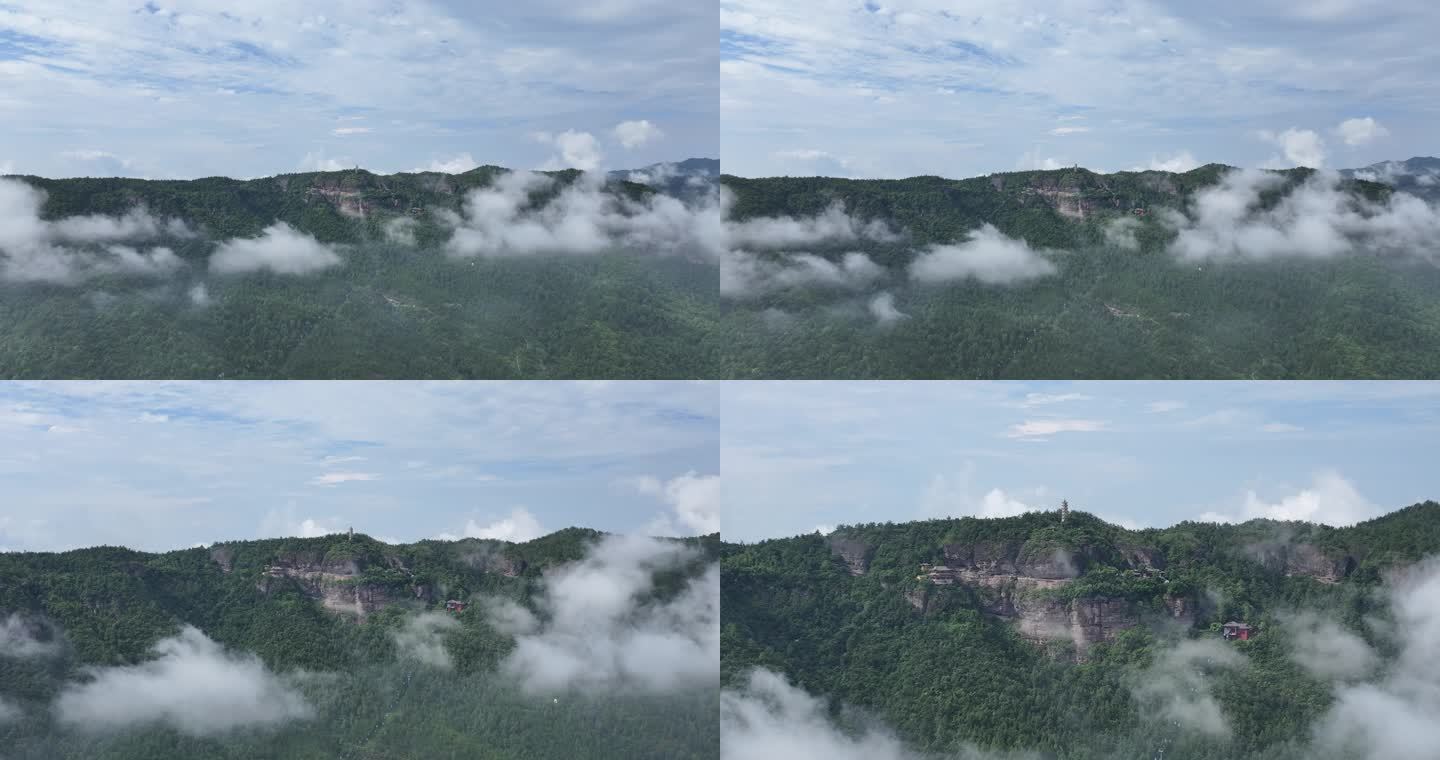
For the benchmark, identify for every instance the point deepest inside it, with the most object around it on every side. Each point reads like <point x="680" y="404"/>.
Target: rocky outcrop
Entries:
<point x="1010" y="580"/>
<point x="338" y="583"/>
<point x="223" y="556"/>
<point x="1142" y="557"/>
<point x="1017" y="559"/>
<point x="1303" y="560"/>
<point x="855" y="554"/>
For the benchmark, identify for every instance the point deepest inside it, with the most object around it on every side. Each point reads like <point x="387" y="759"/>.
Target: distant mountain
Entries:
<point x="1032" y="634"/>
<point x="1418" y="176"/>
<point x="688" y="179"/>
<point x="337" y="647"/>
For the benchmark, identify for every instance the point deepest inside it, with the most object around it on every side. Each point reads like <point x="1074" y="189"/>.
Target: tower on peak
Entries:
<point x="1064" y="510"/>
<point x="351" y="535"/>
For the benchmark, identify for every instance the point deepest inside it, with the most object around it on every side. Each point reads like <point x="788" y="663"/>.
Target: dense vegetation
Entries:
<point x="1107" y="312"/>
<point x="390" y="311"/>
<point x="955" y="674"/>
<point x="109" y="605"/>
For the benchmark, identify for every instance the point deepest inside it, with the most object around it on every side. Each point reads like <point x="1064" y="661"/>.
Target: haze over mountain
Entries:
<point x="1057" y="635"/>
<point x="345" y="646"/>
<point x="1067" y="273"/>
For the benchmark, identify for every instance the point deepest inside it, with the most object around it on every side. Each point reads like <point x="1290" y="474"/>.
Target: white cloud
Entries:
<point x="1046" y="399"/>
<point x="578" y="150"/>
<point x="1330" y="500"/>
<point x="582" y="218"/>
<point x="460" y="163"/>
<point x="283" y="523"/>
<point x="1178" y="163"/>
<point x="633" y="134"/>
<point x="280" y="248"/>
<point x="1033" y="161"/>
<point x="519" y="526"/>
<point x="596" y="634"/>
<point x="318" y="162"/>
<point x="831" y="226"/>
<point x="400" y="230"/>
<point x="1317" y="218"/>
<point x="882" y="307"/>
<point x="336" y="478"/>
<point x="694" y="498"/>
<point x="987" y="255"/>
<point x="1123" y="232"/>
<point x="1160" y="407"/>
<point x="954" y="495"/>
<point x="199" y="295"/>
<point x="1177" y="685"/>
<point x="1062" y="131"/>
<point x="71" y="249"/>
<point x="1048" y="427"/>
<point x="744" y="274"/>
<point x="1302" y="147"/>
<point x="1393" y="716"/>
<point x="193" y="686"/>
<point x="1280" y="427"/>
<point x="1328" y="651"/>
<point x="1357" y="132"/>
<point x="345" y="131"/>
<point x="768" y="717"/>
<point x="422" y="638"/>
<point x="22" y="638"/>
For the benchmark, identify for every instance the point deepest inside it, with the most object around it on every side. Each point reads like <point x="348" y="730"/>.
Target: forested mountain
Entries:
<point x="345" y="647"/>
<point x="484" y="274"/>
<point x="1082" y="639"/>
<point x="1419" y="175"/>
<point x="1211" y="273"/>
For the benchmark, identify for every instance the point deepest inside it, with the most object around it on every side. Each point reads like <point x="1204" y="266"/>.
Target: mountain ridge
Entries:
<point x="1029" y="634"/>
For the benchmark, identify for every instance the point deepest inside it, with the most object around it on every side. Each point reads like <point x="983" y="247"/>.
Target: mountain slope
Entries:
<point x="1078" y="277"/>
<point x="349" y="274"/>
<point x="1024" y="633"/>
<point x="1418" y="176"/>
<point x="356" y="628"/>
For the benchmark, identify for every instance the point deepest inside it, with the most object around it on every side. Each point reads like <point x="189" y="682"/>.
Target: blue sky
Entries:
<point x="798" y="456"/>
<point x="189" y="88"/>
<point x="895" y="88"/>
<point x="160" y="466"/>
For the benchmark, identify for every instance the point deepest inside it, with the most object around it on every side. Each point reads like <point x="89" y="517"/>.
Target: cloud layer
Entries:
<point x="193" y="686"/>
<point x="73" y="249"/>
<point x="504" y="219"/>
<point x="768" y="717"/>
<point x="1318" y="218"/>
<point x="598" y="628"/>
<point x="281" y="249"/>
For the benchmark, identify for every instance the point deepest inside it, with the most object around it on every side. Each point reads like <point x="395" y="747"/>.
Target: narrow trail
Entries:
<point x="357" y="750"/>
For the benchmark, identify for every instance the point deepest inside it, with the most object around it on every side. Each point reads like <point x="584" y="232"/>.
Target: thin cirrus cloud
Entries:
<point x="890" y="85"/>
<point x="1141" y="454"/>
<point x="297" y="458"/>
<point x="250" y="91"/>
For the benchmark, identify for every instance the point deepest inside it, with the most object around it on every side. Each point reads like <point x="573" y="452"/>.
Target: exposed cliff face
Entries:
<point x="1018" y="559"/>
<point x="1304" y="560"/>
<point x="1009" y="580"/>
<point x="337" y="584"/>
<point x="855" y="554"/>
<point x="223" y="556"/>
